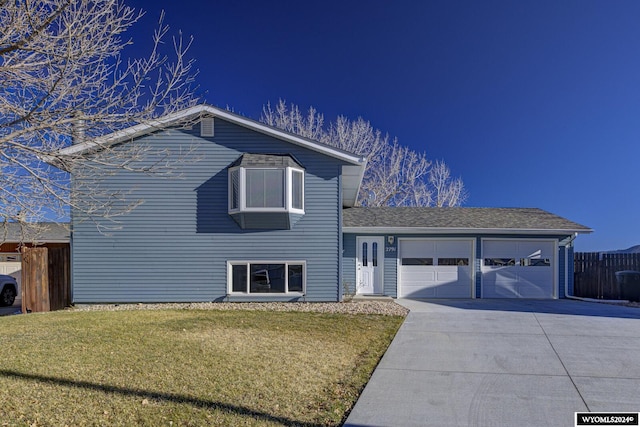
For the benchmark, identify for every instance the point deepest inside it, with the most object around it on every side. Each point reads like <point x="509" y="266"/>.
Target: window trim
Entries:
<point x="289" y="176"/>
<point x="248" y="263"/>
<point x="5" y="255"/>
<point x="242" y="190"/>
<point x="232" y="192"/>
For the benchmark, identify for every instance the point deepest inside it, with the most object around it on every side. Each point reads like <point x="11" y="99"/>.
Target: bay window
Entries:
<point x="253" y="189"/>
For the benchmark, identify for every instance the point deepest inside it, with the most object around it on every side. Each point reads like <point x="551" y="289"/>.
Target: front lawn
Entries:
<point x="186" y="367"/>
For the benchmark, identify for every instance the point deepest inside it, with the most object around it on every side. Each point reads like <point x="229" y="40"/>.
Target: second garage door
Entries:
<point x="518" y="268"/>
<point x="435" y="268"/>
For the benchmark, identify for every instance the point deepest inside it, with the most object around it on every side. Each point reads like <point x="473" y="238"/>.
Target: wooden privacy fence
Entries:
<point x="595" y="273"/>
<point x="45" y="279"/>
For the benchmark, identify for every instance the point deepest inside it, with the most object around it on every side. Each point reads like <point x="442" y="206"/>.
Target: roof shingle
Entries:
<point x="266" y="160"/>
<point x="458" y="218"/>
<point x="42" y="232"/>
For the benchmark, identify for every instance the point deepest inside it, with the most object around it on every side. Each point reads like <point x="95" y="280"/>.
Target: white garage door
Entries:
<point x="11" y="264"/>
<point x="518" y="269"/>
<point x="435" y="268"/>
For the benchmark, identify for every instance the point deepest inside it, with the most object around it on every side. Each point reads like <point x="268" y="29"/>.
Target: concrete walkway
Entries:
<point x="504" y="363"/>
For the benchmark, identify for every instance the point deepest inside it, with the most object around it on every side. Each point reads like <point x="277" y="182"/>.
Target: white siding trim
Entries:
<point x="242" y="189"/>
<point x="189" y="113"/>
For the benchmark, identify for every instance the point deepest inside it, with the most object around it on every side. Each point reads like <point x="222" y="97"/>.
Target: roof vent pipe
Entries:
<point x="78" y="131"/>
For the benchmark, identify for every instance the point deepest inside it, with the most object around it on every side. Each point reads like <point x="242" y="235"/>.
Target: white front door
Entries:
<point x="369" y="263"/>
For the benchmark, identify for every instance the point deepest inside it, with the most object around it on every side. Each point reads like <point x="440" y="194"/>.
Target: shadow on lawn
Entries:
<point x="200" y="403"/>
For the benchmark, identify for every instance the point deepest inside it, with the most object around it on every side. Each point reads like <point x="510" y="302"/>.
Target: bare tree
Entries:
<point x="395" y="175"/>
<point x="62" y="74"/>
<point x="449" y="191"/>
<point x="292" y="120"/>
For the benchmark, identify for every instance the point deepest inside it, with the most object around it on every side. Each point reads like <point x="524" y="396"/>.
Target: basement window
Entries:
<point x="266" y="277"/>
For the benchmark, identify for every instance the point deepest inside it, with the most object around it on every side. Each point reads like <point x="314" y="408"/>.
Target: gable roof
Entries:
<point x="266" y="160"/>
<point x="42" y="232"/>
<point x="352" y="171"/>
<point x="457" y="220"/>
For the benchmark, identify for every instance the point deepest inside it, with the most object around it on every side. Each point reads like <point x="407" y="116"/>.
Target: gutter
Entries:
<point x="462" y="230"/>
<point x="196" y="111"/>
<point x="566" y="268"/>
<point x="38" y="242"/>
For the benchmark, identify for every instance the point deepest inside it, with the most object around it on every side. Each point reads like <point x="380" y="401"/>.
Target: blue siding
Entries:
<point x="561" y="272"/>
<point x="478" y="267"/>
<point x="391" y="267"/>
<point x="175" y="246"/>
<point x="349" y="261"/>
<point x="266" y="220"/>
<point x="340" y="245"/>
<point x="571" y="270"/>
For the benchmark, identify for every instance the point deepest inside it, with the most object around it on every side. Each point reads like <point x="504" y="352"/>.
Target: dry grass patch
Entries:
<point x="187" y="367"/>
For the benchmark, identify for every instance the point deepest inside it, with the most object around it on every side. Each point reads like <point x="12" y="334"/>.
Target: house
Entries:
<point x="13" y="238"/>
<point x="265" y="215"/>
<point x="459" y="252"/>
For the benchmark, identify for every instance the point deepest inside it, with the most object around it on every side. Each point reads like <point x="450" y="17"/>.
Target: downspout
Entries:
<point x="340" y="242"/>
<point x="566" y="269"/>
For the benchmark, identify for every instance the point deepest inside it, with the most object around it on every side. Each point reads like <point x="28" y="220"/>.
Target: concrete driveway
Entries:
<point x="16" y="307"/>
<point x="504" y="363"/>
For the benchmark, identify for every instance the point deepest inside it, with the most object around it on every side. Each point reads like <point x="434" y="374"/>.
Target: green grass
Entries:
<point x="186" y="367"/>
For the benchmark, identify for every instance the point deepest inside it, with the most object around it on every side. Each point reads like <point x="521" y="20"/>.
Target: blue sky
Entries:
<point x="533" y="104"/>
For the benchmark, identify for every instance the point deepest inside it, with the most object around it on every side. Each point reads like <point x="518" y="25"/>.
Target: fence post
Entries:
<point x="35" y="280"/>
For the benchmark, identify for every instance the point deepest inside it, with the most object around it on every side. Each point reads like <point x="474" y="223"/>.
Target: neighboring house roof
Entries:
<point x="266" y="160"/>
<point x="42" y="232"/>
<point x="352" y="171"/>
<point x="457" y="220"/>
<point x="632" y="250"/>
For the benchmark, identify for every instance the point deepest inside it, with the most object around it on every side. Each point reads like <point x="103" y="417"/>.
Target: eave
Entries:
<point x="352" y="172"/>
<point x="444" y="230"/>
